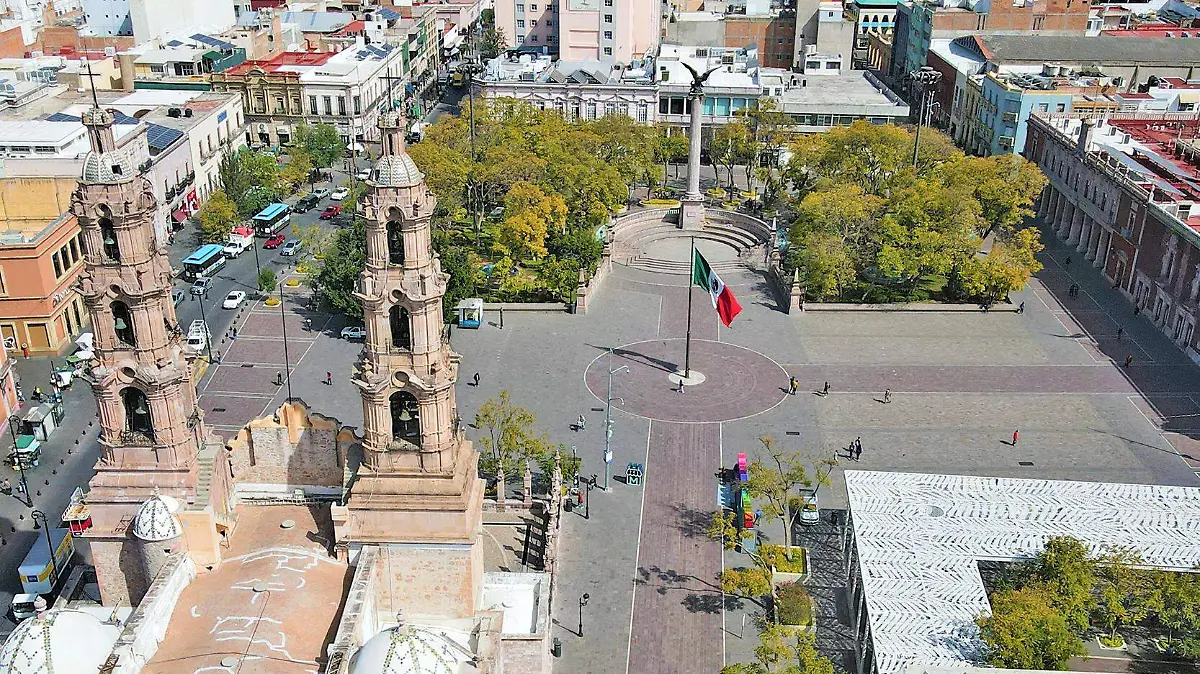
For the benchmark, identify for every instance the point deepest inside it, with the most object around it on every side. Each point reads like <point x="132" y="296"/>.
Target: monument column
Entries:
<point x="691" y="213"/>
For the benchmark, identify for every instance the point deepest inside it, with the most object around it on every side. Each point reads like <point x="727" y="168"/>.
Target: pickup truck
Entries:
<point x="240" y="239"/>
<point x="197" y="336"/>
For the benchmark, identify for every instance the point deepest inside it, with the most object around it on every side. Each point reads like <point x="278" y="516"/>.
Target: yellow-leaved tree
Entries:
<point x="530" y="214"/>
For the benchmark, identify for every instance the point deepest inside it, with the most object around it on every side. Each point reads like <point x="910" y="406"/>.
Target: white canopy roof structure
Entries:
<point x="920" y="537"/>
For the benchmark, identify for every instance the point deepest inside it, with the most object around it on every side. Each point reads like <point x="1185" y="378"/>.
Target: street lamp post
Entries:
<point x="470" y="69"/>
<point x="208" y="333"/>
<point x="608" y="422"/>
<point x="583" y="601"/>
<point x="287" y="368"/>
<point x="926" y="77"/>
<point x="45" y="525"/>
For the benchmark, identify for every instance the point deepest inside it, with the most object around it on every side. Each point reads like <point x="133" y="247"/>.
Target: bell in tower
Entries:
<point x="418" y="484"/>
<point x="151" y="427"/>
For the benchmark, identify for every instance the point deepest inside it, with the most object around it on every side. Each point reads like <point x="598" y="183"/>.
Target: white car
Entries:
<point x="233" y="300"/>
<point x="810" y="510"/>
<point x="363" y="174"/>
<point x="340" y="193"/>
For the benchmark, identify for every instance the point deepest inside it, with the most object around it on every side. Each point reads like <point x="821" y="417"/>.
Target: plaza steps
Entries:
<point x="630" y="253"/>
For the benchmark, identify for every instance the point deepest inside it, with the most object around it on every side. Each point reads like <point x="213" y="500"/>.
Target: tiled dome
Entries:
<point x="156" y="520"/>
<point x="58" y="642"/>
<point x="414" y="650"/>
<point x="397" y="170"/>
<point x="108" y="167"/>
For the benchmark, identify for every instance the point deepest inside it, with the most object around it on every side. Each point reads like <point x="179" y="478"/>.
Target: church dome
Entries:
<point x="397" y="170"/>
<point x="156" y="520"/>
<point x="58" y="642"/>
<point x="414" y="650"/>
<point x="108" y="167"/>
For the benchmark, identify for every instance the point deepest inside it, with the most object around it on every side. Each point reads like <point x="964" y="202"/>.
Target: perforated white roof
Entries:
<point x="919" y="538"/>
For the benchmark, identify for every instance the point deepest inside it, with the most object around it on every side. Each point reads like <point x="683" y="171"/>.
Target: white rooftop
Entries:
<point x="919" y="538"/>
<point x="155" y="97"/>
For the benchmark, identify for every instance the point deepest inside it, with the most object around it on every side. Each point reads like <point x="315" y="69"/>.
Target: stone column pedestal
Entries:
<point x="691" y="213"/>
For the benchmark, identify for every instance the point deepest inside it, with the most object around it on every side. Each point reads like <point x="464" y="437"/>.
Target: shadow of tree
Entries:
<point x="692" y="523"/>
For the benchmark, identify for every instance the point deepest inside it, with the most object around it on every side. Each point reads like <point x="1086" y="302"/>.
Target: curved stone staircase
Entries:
<point x="634" y="234"/>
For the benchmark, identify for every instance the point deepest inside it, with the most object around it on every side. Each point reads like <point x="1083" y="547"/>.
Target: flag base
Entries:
<point x="696" y="377"/>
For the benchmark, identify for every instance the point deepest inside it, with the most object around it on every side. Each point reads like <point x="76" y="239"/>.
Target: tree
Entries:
<point x="778" y="481"/>
<point x="783" y="650"/>
<point x="234" y="179"/>
<point x="218" y="216"/>
<point x="1005" y="186"/>
<point x="295" y="172"/>
<point x="266" y="280"/>
<point x="1177" y="606"/>
<point x="528" y="214"/>
<point x="508" y="442"/>
<point x="1026" y="631"/>
<point x="731" y="145"/>
<point x="492" y="42"/>
<point x="312" y="238"/>
<point x="255" y="199"/>
<point x="1125" y="592"/>
<point x="341" y="268"/>
<point x="1066" y="571"/>
<point x="261" y="168"/>
<point x="1007" y="267"/>
<point x="321" y="142"/>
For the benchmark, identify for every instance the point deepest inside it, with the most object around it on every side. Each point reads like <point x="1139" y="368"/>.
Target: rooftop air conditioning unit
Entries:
<point x="187" y="112"/>
<point x="174" y="112"/>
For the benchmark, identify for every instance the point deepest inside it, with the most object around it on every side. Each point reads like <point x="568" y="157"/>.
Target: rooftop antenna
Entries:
<point x="92" y="85"/>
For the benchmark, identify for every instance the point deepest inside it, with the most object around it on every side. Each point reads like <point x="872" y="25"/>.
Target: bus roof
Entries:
<point x="39" y="555"/>
<point x="271" y="211"/>
<point x="203" y="253"/>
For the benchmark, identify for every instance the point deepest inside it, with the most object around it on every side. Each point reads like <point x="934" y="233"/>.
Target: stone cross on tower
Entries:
<point x="151" y="427"/>
<point x="691" y="214"/>
<point x="417" y="493"/>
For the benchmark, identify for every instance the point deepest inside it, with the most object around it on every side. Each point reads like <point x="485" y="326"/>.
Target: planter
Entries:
<point x="271" y="301"/>
<point x="1123" y="647"/>
<point x="292" y="282"/>
<point x="807" y="616"/>
<point x="669" y="203"/>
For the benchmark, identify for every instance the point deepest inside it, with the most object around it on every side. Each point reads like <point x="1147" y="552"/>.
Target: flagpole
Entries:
<point x="687" y="349"/>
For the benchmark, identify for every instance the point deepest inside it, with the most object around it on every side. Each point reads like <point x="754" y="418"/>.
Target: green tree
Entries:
<point x="1007" y="267"/>
<point x="529" y="214"/>
<point x="255" y="199"/>
<point x="321" y="142"/>
<point x="266" y="280"/>
<point x="234" y="179"/>
<point x="295" y="172"/>
<point x="508" y="440"/>
<point x="1176" y="604"/>
<point x="465" y="276"/>
<point x="261" y="168"/>
<point x="1005" y="187"/>
<point x="1125" y="592"/>
<point x="312" y="237"/>
<point x="1026" y="631"/>
<point x="341" y="268"/>
<point x="1065" y="569"/>
<point x="783" y="650"/>
<point x="732" y="145"/>
<point x="779" y="479"/>
<point x="492" y="42"/>
<point x="218" y="216"/>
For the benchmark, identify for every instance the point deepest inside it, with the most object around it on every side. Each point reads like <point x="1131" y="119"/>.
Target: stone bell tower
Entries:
<point x="150" y="425"/>
<point x="417" y="493"/>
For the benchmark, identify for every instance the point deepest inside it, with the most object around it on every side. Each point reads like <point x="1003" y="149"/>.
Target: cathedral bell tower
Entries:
<point x="417" y="493"/>
<point x="150" y="424"/>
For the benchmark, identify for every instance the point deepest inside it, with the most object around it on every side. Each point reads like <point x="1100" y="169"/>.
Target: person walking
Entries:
<point x="793" y="385"/>
<point x="1129" y="360"/>
<point x="582" y="422"/>
<point x="278" y="378"/>
<point x="476" y="380"/>
<point x="329" y="379"/>
<point x="1016" y="436"/>
<point x="6" y="487"/>
<point x="857" y="448"/>
<point x="1021" y="308"/>
<point x="1067" y="262"/>
<point x="1120" y="331"/>
<point x="825" y="391"/>
<point x="887" y="395"/>
<point x="1137" y="309"/>
<point x="501" y="318"/>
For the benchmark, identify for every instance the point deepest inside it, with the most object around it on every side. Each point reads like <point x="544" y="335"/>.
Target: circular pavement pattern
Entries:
<point x="738" y="382"/>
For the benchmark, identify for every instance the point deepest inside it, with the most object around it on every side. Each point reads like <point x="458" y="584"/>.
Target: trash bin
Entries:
<point x="556" y="648"/>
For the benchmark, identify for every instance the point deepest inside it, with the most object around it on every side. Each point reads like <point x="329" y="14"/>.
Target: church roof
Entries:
<point x="411" y="649"/>
<point x="396" y="170"/>
<point x="58" y="642"/>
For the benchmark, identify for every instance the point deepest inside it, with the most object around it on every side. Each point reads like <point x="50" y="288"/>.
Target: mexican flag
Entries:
<point x="723" y="300"/>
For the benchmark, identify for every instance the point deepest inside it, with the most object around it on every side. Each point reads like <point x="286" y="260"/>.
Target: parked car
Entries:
<point x="810" y="513"/>
<point x="320" y="193"/>
<point x="177" y="296"/>
<point x="233" y="300"/>
<point x="340" y="193"/>
<point x="363" y="174"/>
<point x="330" y="211"/>
<point x="202" y="286"/>
<point x="306" y="203"/>
<point x="275" y="241"/>
<point x="290" y="248"/>
<point x="354" y="332"/>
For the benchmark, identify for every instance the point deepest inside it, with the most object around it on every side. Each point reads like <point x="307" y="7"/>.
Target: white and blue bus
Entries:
<point x="272" y="219"/>
<point x="206" y="261"/>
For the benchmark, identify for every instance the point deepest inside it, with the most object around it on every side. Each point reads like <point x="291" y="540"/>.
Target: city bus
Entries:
<point x="272" y="219"/>
<point x="206" y="261"/>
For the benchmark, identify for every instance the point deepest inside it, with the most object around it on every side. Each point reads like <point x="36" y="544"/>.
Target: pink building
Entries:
<point x="582" y="29"/>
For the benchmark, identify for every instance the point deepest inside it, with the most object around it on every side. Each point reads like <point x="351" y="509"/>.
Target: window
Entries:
<point x="610" y="109"/>
<point x="664" y="106"/>
<point x="520" y="23"/>
<point x="260" y="103"/>
<point x="643" y="113"/>
<point x="533" y="7"/>
<point x="1043" y="107"/>
<point x="342" y="106"/>
<point x="608" y="3"/>
<point x="591" y="110"/>
<point x="312" y="105"/>
<point x="608" y="18"/>
<point x="1061" y="107"/>
<point x="608" y="51"/>
<point x="279" y="107"/>
<point x="58" y="270"/>
<point x="533" y="38"/>
<point x="533" y="23"/>
<point x="49" y="149"/>
<point x="608" y="35"/>
<point x="328" y="101"/>
<point x="549" y="23"/>
<point x="357" y="105"/>
<point x="520" y="8"/>
<point x="551" y="38"/>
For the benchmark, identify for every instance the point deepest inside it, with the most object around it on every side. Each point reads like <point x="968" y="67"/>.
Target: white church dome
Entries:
<point x="108" y="167"/>
<point x="414" y="650"/>
<point x="156" y="520"/>
<point x="58" y="642"/>
<point x="397" y="170"/>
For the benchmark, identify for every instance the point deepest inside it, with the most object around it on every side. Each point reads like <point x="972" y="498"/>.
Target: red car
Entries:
<point x="330" y="211"/>
<point x="275" y="241"/>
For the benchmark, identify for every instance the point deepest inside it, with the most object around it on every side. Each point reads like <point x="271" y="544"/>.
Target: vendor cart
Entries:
<point x="26" y="453"/>
<point x="78" y="516"/>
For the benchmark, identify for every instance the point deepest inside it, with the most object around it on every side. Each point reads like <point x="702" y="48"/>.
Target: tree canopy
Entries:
<point x="1025" y="631"/>
<point x="217" y="217"/>
<point x="321" y="142"/>
<point x="868" y="220"/>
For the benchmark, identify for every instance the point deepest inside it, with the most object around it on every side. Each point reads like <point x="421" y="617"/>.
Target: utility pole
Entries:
<point x="608" y="423"/>
<point x="926" y="78"/>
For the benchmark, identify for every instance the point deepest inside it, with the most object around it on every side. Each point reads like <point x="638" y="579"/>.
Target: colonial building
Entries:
<point x="152" y="435"/>
<point x="1124" y="192"/>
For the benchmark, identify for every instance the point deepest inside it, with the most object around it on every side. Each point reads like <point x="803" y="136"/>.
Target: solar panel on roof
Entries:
<point x="174" y="43"/>
<point x="61" y="117"/>
<point x="161" y="137"/>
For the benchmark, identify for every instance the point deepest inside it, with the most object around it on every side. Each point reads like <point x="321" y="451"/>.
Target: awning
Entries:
<point x="179" y="215"/>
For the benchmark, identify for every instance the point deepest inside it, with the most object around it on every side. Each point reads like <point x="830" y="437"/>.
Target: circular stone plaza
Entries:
<point x="961" y="383"/>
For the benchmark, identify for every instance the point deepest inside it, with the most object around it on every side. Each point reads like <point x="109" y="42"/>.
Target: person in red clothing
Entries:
<point x="1016" y="435"/>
